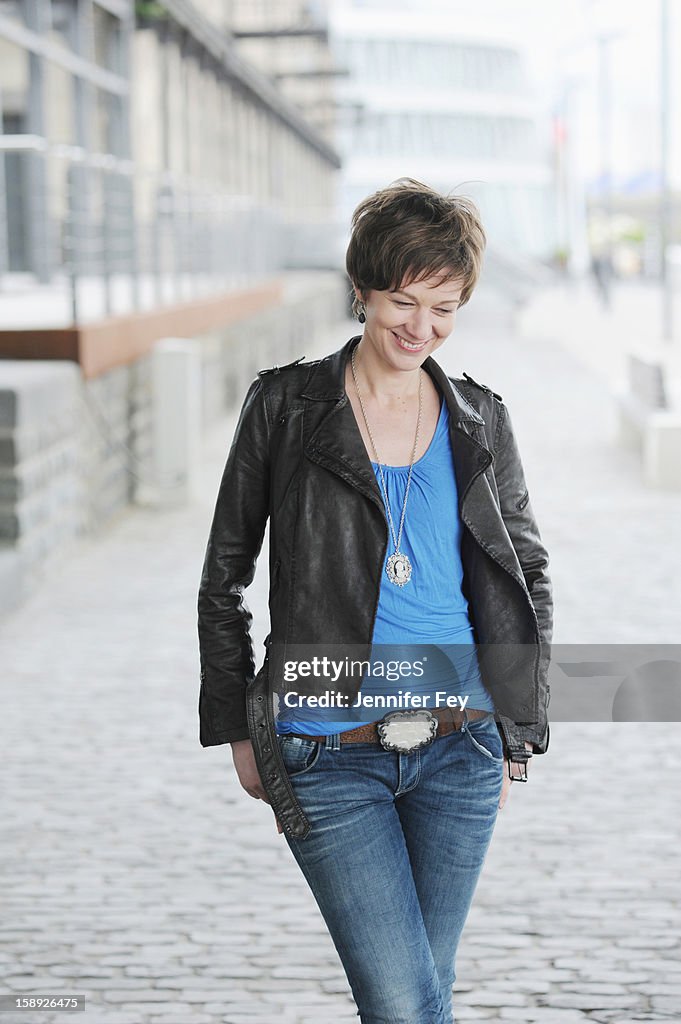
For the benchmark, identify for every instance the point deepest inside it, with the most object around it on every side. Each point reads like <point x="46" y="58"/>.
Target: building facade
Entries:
<point x="164" y="233"/>
<point x="144" y="158"/>
<point x="442" y="94"/>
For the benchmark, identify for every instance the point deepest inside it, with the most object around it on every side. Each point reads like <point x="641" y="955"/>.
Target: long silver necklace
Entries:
<point x="398" y="566"/>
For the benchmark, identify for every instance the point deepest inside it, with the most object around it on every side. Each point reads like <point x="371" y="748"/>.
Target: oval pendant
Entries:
<point x="398" y="568"/>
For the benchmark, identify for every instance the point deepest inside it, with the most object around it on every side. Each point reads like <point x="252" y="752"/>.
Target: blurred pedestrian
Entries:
<point x="399" y="518"/>
<point x="600" y="241"/>
<point x="602" y="274"/>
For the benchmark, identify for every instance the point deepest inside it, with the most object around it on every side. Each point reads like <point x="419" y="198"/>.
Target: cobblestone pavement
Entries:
<point x="136" y="872"/>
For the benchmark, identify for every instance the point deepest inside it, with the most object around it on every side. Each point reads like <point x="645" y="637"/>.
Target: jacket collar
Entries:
<point x="335" y="441"/>
<point x="326" y="383"/>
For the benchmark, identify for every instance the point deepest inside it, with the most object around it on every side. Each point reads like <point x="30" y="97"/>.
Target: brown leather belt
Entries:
<point x="449" y="720"/>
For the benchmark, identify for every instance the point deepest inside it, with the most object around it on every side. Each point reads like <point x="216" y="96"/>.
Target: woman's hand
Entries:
<point x="506" y="785"/>
<point x="247" y="770"/>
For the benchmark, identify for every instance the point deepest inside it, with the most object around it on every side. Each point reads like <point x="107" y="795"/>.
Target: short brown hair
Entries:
<point x="408" y="232"/>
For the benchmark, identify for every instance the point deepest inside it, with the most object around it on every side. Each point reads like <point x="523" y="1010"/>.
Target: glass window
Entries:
<point x="14" y="79"/>
<point x="107" y="38"/>
<point x="62" y="22"/>
<point x="59" y="104"/>
<point x="102" y="122"/>
<point x="11" y="9"/>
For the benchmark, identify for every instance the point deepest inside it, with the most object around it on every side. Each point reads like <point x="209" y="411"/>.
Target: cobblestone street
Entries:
<point x="135" y="871"/>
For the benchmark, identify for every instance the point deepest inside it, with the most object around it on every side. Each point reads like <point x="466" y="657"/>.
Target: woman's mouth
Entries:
<point x="409" y="346"/>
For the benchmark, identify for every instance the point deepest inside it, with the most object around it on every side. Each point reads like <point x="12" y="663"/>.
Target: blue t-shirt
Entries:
<point x="423" y="626"/>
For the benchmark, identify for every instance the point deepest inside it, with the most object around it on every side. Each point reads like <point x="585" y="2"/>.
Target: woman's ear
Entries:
<point x="358" y="304"/>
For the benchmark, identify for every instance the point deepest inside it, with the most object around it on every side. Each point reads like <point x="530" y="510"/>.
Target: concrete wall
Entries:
<point x="231" y="358"/>
<point x="74" y="453"/>
<point x="41" y="481"/>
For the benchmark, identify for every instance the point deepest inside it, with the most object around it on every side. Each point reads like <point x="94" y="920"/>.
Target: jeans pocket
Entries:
<point x="299" y="755"/>
<point x="485" y="737"/>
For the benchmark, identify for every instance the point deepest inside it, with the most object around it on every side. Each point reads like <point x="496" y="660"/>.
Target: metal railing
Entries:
<point x="102" y="236"/>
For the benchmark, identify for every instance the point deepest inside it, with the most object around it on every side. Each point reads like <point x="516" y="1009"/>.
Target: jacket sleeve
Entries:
<point x="234" y="543"/>
<point x="516" y="510"/>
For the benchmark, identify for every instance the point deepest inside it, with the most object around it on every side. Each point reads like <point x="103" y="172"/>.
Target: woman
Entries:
<point x="401" y="535"/>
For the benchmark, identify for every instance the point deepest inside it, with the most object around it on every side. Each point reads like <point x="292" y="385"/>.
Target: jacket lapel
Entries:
<point x="478" y="503"/>
<point x="336" y="442"/>
<point x="469" y="451"/>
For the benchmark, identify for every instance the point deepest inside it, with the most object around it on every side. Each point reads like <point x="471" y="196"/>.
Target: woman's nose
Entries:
<point x="420" y="325"/>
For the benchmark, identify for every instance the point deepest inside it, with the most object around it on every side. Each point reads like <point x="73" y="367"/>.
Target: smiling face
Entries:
<point x="406" y="325"/>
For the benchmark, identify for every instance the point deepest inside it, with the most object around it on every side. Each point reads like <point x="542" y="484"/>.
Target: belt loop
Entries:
<point x="332" y="741"/>
<point x="464" y="724"/>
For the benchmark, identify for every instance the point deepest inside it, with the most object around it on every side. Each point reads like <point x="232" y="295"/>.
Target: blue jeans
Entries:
<point x="395" y="851"/>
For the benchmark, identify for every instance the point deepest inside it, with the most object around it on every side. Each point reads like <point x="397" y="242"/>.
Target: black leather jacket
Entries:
<point x="298" y="458"/>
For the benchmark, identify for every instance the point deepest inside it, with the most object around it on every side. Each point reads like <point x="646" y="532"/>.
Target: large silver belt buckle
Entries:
<point x="406" y="731"/>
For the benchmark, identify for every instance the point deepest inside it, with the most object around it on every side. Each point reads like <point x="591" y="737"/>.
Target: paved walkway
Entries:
<point x="134" y="870"/>
<point x="600" y="336"/>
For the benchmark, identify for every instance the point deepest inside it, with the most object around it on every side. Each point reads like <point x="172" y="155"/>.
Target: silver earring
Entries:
<point x="362" y="316"/>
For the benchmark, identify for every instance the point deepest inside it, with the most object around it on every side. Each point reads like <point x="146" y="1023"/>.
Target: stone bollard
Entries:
<point x="662" y="450"/>
<point x="649" y="418"/>
<point x="176" y="423"/>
